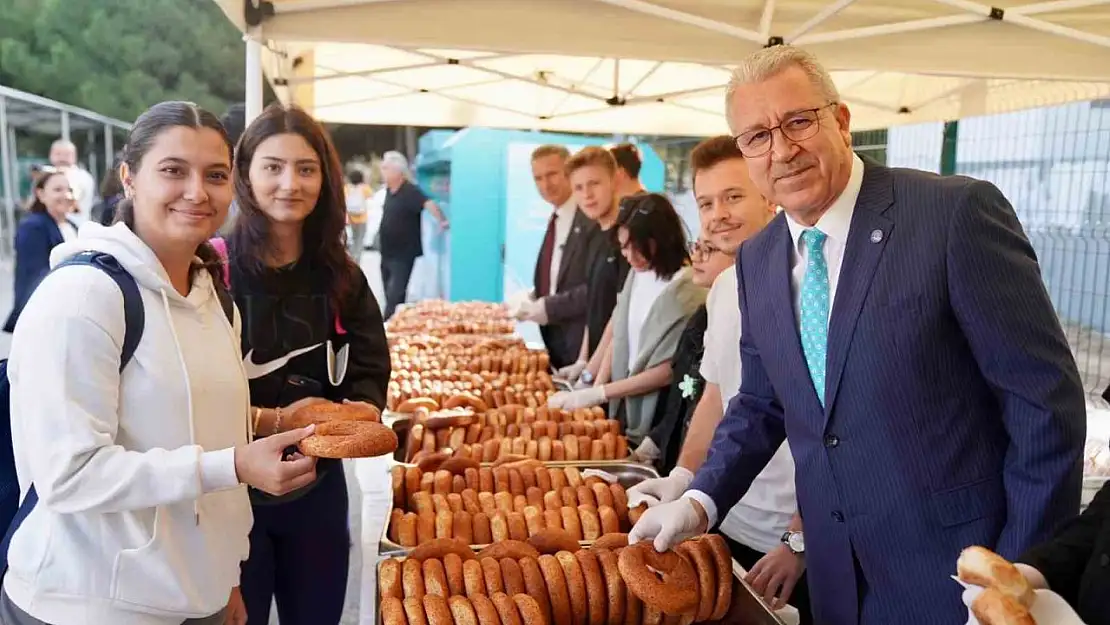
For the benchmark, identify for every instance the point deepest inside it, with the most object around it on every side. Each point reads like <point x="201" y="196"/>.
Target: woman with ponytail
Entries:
<point x="133" y="458"/>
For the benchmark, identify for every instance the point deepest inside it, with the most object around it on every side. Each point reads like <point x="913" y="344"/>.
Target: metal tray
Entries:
<point x="401" y="423"/>
<point x="747" y="608"/>
<point x="628" y="475"/>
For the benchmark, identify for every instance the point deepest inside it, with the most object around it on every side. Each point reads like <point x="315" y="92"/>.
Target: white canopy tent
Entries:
<point x="659" y="66"/>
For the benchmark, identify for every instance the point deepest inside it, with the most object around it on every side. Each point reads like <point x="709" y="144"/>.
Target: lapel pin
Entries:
<point x="876" y="236"/>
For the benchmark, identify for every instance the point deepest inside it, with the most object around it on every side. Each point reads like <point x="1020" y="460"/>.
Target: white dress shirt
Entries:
<point x="761" y="517"/>
<point x="564" y="219"/>
<point x="835" y="224"/>
<point x="646" y="287"/>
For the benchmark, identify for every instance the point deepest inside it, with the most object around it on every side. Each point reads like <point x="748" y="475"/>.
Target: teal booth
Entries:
<point x="482" y="178"/>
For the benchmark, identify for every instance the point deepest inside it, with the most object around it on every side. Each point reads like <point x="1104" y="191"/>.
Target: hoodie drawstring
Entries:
<point x="188" y="387"/>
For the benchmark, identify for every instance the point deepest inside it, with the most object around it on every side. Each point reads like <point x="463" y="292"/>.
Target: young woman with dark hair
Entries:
<point x="46" y="225"/>
<point x="312" y="331"/>
<point x="136" y="464"/>
<point x="658" y="298"/>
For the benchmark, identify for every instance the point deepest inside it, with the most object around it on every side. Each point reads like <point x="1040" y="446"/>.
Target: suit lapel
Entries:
<point x="867" y="238"/>
<point x="782" y="300"/>
<point x="571" y="248"/>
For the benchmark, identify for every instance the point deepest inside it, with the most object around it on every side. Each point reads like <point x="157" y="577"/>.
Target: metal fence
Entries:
<point x="1053" y="165"/>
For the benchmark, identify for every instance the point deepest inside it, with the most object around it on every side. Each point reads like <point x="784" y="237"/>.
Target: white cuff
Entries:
<point x="706" y="502"/>
<point x="217" y="470"/>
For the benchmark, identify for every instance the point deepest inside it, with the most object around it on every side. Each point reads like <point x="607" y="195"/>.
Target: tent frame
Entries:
<point x="8" y="161"/>
<point x="256" y="11"/>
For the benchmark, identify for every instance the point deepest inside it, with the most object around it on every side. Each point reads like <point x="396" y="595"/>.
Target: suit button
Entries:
<point x="1104" y="560"/>
<point x="832" y="440"/>
<point x="838" y="516"/>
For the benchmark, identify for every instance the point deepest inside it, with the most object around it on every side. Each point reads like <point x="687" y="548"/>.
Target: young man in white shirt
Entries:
<point x="763" y="529"/>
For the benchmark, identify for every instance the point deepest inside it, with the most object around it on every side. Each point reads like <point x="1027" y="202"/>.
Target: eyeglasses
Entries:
<point x="798" y="127"/>
<point x="701" y="250"/>
<point x="633" y="206"/>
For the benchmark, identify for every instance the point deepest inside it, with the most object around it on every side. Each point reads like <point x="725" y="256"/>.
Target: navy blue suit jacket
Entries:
<point x="36" y="235"/>
<point x="955" y="414"/>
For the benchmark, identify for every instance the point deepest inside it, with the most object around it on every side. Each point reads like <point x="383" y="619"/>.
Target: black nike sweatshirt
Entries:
<point x="290" y="334"/>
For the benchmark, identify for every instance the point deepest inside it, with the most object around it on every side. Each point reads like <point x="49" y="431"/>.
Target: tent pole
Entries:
<point x="765" y="19"/>
<point x="823" y="16"/>
<point x="6" y="173"/>
<point x="895" y="28"/>
<point x="109" y="149"/>
<point x="654" y="10"/>
<point x="254" y="78"/>
<point x="948" y="148"/>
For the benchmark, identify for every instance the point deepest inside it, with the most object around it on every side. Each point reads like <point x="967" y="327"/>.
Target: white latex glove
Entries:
<point x="573" y="400"/>
<point x="661" y="489"/>
<point x="646" y="453"/>
<point x="534" y="311"/>
<point x="571" y="372"/>
<point x="668" y="524"/>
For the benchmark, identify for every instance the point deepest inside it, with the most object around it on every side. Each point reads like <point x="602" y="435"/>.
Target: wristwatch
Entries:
<point x="794" y="541"/>
<point x="587" y="377"/>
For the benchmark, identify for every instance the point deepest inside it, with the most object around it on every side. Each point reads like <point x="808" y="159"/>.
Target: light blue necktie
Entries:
<point x="815" y="309"/>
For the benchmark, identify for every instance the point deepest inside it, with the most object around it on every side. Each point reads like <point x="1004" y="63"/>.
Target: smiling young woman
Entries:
<point x="312" y="331"/>
<point x="136" y="455"/>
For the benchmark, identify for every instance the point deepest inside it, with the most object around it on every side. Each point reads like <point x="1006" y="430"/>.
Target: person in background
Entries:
<point x="141" y="516"/>
<point x="111" y="192"/>
<point x="761" y="530"/>
<point x="626" y="179"/>
<point x="560" y="294"/>
<point x="234" y="121"/>
<point x="931" y="399"/>
<point x="591" y="173"/>
<point x="312" y="332"/>
<point x="63" y="157"/>
<point x="657" y="299"/>
<point x="399" y="233"/>
<point x="357" y="198"/>
<point x="46" y="225"/>
<point x="676" y="403"/>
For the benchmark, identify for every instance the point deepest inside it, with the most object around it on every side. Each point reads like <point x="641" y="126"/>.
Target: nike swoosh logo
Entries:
<point x="255" y="370"/>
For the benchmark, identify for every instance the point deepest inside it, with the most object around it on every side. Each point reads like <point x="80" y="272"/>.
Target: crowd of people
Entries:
<point x="875" y="380"/>
<point x="852" y="372"/>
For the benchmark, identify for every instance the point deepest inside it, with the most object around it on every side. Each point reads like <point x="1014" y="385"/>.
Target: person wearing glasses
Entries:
<point x="762" y="529"/>
<point x="652" y="308"/>
<point x="897" y="332"/>
<point x="676" y="403"/>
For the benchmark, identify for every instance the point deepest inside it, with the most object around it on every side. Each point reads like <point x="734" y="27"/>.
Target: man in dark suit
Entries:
<point x="559" y="303"/>
<point x="896" y="331"/>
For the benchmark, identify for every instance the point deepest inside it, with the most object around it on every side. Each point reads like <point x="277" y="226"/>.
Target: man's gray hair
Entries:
<point x="397" y="160"/>
<point x="767" y="62"/>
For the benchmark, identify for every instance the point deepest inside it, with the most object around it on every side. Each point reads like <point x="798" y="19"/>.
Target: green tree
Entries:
<point x="117" y="57"/>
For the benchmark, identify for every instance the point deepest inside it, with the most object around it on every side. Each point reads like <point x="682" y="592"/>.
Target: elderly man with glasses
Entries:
<point x="896" y="331"/>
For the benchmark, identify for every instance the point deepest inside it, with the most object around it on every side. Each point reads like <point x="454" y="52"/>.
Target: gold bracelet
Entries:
<point x="257" y="416"/>
<point x="277" y="420"/>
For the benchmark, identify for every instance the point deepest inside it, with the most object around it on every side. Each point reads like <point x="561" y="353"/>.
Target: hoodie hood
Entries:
<point x="135" y="256"/>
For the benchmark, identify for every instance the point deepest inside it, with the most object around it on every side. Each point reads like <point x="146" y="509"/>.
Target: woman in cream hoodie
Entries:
<point x="143" y="515"/>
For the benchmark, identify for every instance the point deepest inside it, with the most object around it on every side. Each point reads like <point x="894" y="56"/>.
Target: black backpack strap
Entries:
<point x="134" y="316"/>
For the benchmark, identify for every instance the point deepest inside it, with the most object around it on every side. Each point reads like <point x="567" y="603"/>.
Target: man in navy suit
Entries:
<point x="896" y="330"/>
